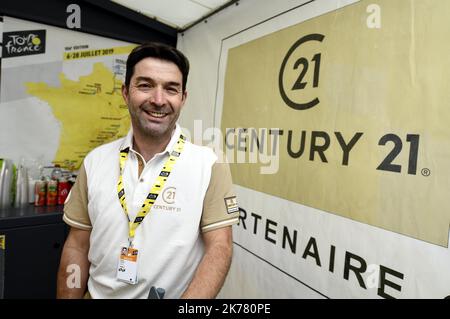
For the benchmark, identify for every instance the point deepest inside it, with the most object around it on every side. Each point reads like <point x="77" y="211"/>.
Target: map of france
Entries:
<point x="91" y="112"/>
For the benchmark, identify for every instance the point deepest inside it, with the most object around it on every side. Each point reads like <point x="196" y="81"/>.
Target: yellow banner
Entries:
<point x="360" y="96"/>
<point x="2" y="242"/>
<point x="83" y="54"/>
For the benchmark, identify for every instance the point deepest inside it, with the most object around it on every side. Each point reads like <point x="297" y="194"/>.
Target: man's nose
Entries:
<point x="157" y="96"/>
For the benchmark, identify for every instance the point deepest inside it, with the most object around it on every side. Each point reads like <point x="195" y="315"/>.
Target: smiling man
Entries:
<point x="151" y="213"/>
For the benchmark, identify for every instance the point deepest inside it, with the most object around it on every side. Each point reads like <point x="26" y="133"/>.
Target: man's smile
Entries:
<point x="155" y="114"/>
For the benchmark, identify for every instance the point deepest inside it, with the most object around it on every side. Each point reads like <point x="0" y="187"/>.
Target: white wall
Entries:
<point x="281" y="275"/>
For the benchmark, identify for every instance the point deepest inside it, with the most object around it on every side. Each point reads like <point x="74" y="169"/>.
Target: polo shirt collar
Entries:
<point x="128" y="141"/>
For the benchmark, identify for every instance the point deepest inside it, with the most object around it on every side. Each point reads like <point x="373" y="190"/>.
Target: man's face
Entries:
<point x="154" y="97"/>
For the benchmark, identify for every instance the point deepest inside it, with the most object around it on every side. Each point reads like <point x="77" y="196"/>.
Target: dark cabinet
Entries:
<point x="33" y="243"/>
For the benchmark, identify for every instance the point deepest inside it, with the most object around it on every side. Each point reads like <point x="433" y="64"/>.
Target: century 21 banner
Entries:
<point x="356" y="104"/>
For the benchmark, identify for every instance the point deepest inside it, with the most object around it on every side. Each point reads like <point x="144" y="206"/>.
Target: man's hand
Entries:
<point x="214" y="266"/>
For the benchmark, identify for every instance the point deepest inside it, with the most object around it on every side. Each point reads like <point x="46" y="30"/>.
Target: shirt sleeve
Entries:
<point x="76" y="206"/>
<point x="220" y="208"/>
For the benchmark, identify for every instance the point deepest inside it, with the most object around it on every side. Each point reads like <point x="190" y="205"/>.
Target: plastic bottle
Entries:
<point x="56" y="173"/>
<point x="21" y="196"/>
<point x="6" y="180"/>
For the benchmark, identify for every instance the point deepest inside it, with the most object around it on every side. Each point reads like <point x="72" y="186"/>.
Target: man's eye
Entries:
<point x="172" y="90"/>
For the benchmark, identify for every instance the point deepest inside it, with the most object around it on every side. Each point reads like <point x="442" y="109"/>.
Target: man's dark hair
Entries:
<point x="160" y="51"/>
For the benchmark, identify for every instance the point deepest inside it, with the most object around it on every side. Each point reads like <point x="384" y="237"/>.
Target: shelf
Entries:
<point x="30" y="216"/>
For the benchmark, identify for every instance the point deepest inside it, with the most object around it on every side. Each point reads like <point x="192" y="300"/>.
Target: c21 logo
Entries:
<point x="300" y="83"/>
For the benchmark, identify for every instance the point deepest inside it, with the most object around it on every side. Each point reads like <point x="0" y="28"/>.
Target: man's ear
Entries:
<point x="125" y="93"/>
<point x="184" y="97"/>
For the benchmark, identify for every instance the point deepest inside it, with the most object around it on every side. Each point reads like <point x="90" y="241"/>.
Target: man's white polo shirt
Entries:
<point x="196" y="197"/>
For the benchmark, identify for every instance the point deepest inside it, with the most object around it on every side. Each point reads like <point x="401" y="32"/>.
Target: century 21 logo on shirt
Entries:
<point x="20" y="43"/>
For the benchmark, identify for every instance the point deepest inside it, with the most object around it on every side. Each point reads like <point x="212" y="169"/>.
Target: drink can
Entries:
<point x="63" y="190"/>
<point x="52" y="192"/>
<point x="40" y="192"/>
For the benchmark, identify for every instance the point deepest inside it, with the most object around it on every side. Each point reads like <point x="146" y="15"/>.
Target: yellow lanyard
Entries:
<point x="154" y="191"/>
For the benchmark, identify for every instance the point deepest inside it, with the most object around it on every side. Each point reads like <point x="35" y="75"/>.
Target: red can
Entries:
<point x="52" y="192"/>
<point x="63" y="190"/>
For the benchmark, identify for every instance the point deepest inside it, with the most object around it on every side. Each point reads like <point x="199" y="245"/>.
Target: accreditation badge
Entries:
<point x="127" y="267"/>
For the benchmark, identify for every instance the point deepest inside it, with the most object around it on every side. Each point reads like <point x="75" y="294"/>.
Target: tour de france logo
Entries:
<point x="21" y="43"/>
<point x="306" y="70"/>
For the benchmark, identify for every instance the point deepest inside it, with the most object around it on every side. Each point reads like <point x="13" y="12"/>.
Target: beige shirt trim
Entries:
<point x="221" y="224"/>
<point x="75" y="209"/>
<point x="75" y="224"/>
<point x="215" y="213"/>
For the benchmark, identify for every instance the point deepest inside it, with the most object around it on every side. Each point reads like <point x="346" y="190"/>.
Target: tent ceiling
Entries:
<point x="179" y="14"/>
